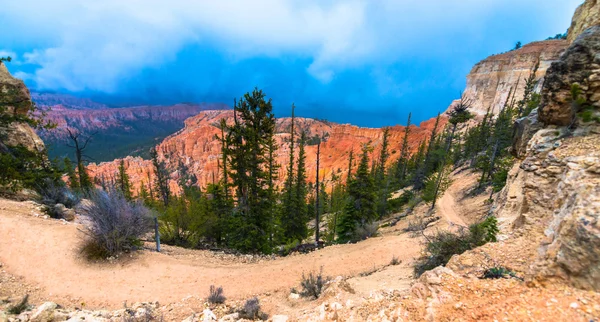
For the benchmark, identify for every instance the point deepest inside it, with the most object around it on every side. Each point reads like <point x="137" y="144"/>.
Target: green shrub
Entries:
<point x="396" y="204"/>
<point x="588" y="115"/>
<point x="365" y="231"/>
<point x="443" y="245"/>
<point x="22" y="168"/>
<point x="499" y="272"/>
<point x="313" y="284"/>
<point x="19" y="307"/>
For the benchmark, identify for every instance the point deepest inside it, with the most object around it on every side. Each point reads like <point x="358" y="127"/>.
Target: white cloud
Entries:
<point x="94" y="44"/>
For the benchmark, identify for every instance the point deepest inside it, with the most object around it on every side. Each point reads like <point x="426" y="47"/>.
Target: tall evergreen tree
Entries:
<point x="403" y="160"/>
<point x="73" y="180"/>
<point x="123" y="181"/>
<point x="423" y="170"/>
<point x="247" y="148"/>
<point x="360" y="207"/>
<point x="457" y="115"/>
<point x="350" y="165"/>
<point x="301" y="193"/>
<point x="527" y="93"/>
<point x="317" y="196"/>
<point x="381" y="179"/>
<point x="162" y="178"/>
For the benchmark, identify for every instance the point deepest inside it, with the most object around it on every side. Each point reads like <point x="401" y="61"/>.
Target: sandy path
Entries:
<point x="446" y="207"/>
<point x="45" y="252"/>
<point x="458" y="210"/>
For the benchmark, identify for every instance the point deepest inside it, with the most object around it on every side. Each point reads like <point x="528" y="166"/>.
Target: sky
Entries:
<point x="365" y="62"/>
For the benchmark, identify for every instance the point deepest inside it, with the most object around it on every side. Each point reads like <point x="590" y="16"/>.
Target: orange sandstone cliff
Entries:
<point x="196" y="147"/>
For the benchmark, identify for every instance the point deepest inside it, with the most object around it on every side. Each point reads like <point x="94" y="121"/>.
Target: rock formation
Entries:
<point x="579" y="65"/>
<point x="491" y="80"/>
<point x="196" y="147"/>
<point x="117" y="131"/>
<point x="549" y="211"/>
<point x="587" y="15"/>
<point x="15" y="100"/>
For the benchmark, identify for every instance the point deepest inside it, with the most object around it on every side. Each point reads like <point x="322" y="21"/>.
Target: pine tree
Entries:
<point x="403" y="160"/>
<point x="224" y="159"/>
<point x="123" y="181"/>
<point x="381" y="179"/>
<point x="527" y="93"/>
<point x="360" y="208"/>
<point x="457" y="115"/>
<point x="162" y="178"/>
<point x="318" y="202"/>
<point x="300" y="230"/>
<point x="247" y="148"/>
<point x="73" y="180"/>
<point x="273" y="169"/>
<point x="350" y="165"/>
<point x="143" y="194"/>
<point x="291" y="222"/>
<point x="423" y="171"/>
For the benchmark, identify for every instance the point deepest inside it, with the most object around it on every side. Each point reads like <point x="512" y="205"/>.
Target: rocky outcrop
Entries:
<point x="552" y="198"/>
<point x="127" y="119"/>
<point x="196" y="147"/>
<point x="586" y="16"/>
<point x="14" y="101"/>
<point x="69" y="101"/>
<point x="580" y="64"/>
<point x="491" y="80"/>
<point x="117" y="132"/>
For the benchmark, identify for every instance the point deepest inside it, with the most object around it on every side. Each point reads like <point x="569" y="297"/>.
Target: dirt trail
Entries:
<point x="45" y="252"/>
<point x="456" y="207"/>
<point x="447" y="205"/>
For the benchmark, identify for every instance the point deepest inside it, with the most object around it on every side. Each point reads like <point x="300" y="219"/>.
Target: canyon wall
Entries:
<point x="549" y="210"/>
<point x="16" y="100"/>
<point x="587" y="15"/>
<point x="124" y="119"/>
<point x="491" y="80"/>
<point x="118" y="132"/>
<point x="196" y="147"/>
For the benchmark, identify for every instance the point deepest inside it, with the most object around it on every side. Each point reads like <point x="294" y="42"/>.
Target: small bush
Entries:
<point x="313" y="284"/>
<point x="57" y="192"/>
<point x="499" y="272"/>
<point x="19" y="307"/>
<point x="419" y="224"/>
<point x="116" y="225"/>
<point x="215" y="295"/>
<point x="396" y="204"/>
<point x="251" y="310"/>
<point x="395" y="261"/>
<point x="365" y="231"/>
<point x="443" y="245"/>
<point x="413" y="202"/>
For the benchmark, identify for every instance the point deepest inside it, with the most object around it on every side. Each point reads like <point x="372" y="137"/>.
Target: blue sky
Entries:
<point x="368" y="62"/>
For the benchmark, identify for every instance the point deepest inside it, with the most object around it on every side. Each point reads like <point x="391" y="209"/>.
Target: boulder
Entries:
<point x="62" y="211"/>
<point x="580" y="64"/>
<point x="17" y="101"/>
<point x="280" y="318"/>
<point x="525" y="127"/>
<point x="44" y="312"/>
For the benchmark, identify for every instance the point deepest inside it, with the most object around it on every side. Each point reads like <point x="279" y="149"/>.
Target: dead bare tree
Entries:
<point x="79" y="143"/>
